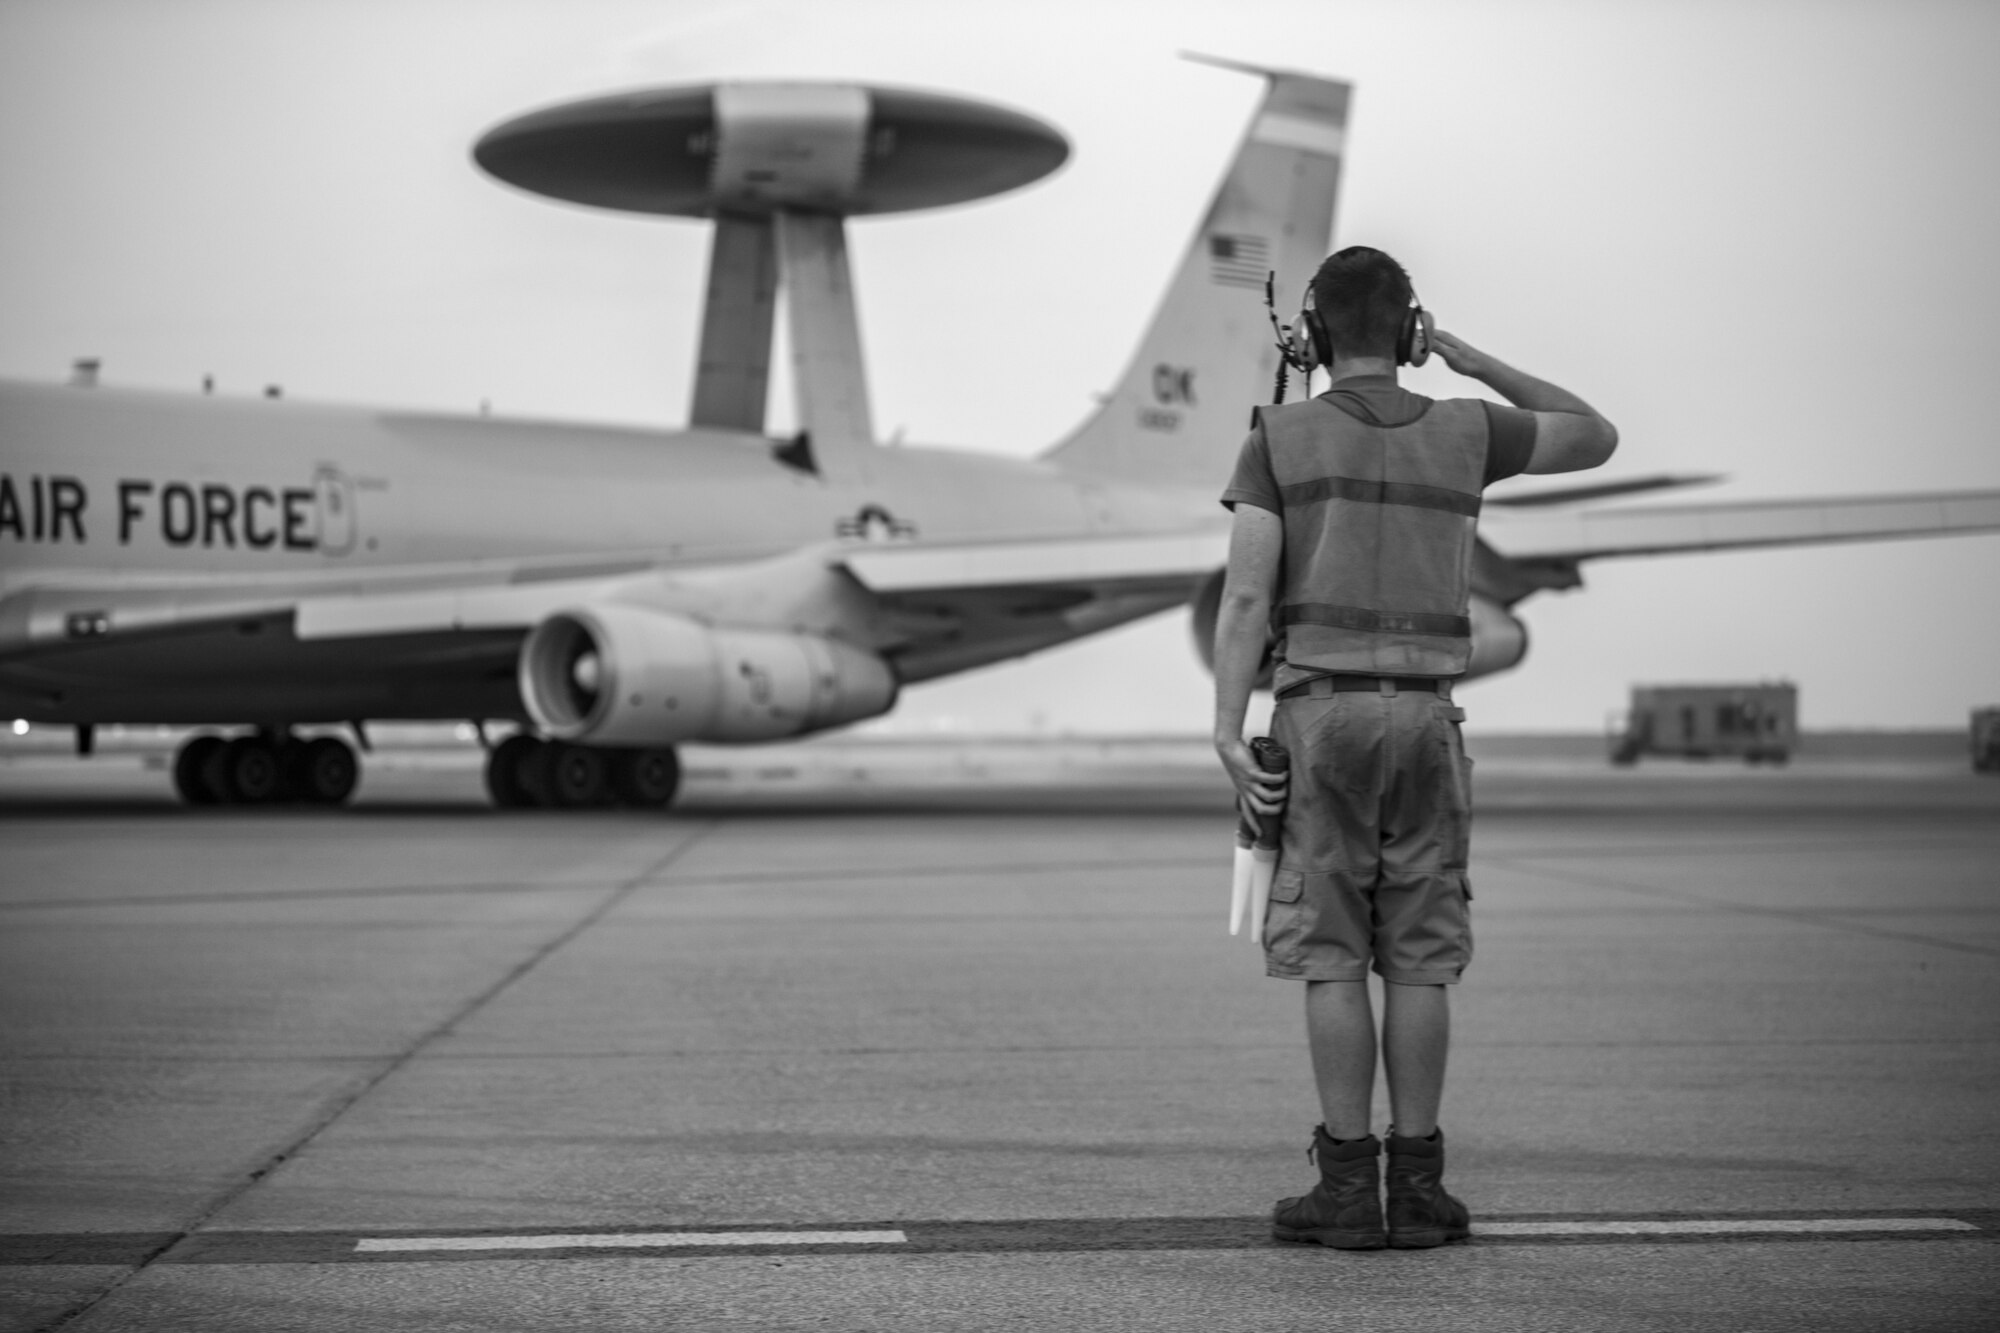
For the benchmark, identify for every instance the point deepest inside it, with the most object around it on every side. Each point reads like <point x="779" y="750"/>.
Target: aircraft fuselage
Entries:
<point x="242" y="503"/>
<point x="172" y="486"/>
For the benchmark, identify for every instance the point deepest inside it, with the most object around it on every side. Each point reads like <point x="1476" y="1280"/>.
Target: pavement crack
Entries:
<point x="341" y="1104"/>
<point x="1529" y="866"/>
<point x="337" y="893"/>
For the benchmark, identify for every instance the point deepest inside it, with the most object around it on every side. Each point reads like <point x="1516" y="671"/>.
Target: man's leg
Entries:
<point x="1416" y="1032"/>
<point x="1345" y="1209"/>
<point x="1340" y="1029"/>
<point x="1416" y="1035"/>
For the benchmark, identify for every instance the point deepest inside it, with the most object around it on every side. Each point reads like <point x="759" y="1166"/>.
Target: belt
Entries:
<point x="1319" y="687"/>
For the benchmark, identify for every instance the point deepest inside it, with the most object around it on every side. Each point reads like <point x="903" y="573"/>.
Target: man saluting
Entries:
<point x="1353" y="543"/>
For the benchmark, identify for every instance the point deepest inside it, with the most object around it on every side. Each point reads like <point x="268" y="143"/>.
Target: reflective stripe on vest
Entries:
<point x="1380" y="526"/>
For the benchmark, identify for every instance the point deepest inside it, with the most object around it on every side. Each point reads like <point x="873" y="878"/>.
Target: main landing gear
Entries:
<point x="527" y="771"/>
<point x="265" y="768"/>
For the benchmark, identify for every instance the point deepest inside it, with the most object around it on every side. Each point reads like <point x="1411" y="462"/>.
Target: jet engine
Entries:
<point x="623" y="675"/>
<point x="1205" y="606"/>
<point x="1499" y="639"/>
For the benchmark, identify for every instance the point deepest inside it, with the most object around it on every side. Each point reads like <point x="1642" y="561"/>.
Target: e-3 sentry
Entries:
<point x="263" y="566"/>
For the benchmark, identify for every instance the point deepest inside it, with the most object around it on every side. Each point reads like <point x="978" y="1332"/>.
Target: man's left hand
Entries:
<point x="1256" y="789"/>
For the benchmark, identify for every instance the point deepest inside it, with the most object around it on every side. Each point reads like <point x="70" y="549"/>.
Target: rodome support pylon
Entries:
<point x="753" y="256"/>
<point x="733" y="368"/>
<point x="829" y="377"/>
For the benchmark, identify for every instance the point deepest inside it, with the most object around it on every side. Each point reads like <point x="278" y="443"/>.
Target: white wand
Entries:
<point x="1256" y="863"/>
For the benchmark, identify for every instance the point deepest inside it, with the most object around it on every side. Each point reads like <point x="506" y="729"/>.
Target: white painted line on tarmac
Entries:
<point x="1697" y="1226"/>
<point x="627" y="1240"/>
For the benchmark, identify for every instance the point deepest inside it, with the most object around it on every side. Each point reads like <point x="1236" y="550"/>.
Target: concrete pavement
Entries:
<point x="990" y="1006"/>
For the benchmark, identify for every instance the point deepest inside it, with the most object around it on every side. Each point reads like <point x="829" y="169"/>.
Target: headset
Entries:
<point x="1305" y="347"/>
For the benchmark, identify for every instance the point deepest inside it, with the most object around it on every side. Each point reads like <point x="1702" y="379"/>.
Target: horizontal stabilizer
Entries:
<point x="1603" y="490"/>
<point x="1594" y="534"/>
<point x="1247" y="67"/>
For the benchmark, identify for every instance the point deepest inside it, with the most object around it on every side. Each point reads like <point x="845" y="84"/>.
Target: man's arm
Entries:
<point x="1570" y="434"/>
<point x="1256" y="548"/>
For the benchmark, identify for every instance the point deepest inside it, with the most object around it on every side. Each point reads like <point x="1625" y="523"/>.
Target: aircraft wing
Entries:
<point x="967" y="604"/>
<point x="1031" y="574"/>
<point x="68" y="613"/>
<point x="512" y="606"/>
<point x="1597" y="534"/>
<point x="1081" y="562"/>
<point x="444" y="600"/>
<point x="1600" y="490"/>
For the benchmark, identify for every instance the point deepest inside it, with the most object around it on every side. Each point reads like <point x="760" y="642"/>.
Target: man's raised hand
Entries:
<point x="1460" y="355"/>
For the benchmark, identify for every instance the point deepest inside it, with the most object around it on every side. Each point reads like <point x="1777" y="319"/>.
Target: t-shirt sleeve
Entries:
<point x="1253" y="483"/>
<point x="1510" y="441"/>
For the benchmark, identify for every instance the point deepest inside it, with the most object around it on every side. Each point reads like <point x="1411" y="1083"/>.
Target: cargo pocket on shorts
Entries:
<point x="1454" y="789"/>
<point x="1288" y="886"/>
<point x="1465" y="923"/>
<point x="1284" y="931"/>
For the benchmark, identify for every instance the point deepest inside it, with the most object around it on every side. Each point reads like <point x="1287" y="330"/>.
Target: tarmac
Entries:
<point x="950" y="1035"/>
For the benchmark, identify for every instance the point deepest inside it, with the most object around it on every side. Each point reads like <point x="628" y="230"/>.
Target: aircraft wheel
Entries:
<point x="244" y="771"/>
<point x="325" y="772"/>
<point x="645" y="778"/>
<point x="537" y="773"/>
<point x="506" y="772"/>
<point x="577" y="776"/>
<point x="291" y="753"/>
<point x="189" y="767"/>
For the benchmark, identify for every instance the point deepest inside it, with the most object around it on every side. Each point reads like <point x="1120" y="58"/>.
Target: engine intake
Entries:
<point x="622" y="675"/>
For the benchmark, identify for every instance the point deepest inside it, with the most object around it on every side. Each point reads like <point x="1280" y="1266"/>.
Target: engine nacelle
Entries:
<point x="1204" y="607"/>
<point x="1499" y="639"/>
<point x="623" y="675"/>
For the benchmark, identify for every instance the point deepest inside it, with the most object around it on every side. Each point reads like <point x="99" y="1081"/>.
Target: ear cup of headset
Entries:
<point x="1413" y="344"/>
<point x="1314" y="346"/>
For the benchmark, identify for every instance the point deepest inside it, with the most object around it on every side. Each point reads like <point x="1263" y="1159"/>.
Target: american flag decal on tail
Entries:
<point x="1238" y="260"/>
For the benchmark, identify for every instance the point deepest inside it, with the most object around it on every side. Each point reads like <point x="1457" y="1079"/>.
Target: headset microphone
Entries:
<point x="1296" y="350"/>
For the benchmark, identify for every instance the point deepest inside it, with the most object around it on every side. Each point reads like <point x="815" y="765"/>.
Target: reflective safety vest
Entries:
<point x="1379" y="533"/>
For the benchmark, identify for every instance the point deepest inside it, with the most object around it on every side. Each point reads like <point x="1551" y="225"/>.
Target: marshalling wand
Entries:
<point x="1256" y="863"/>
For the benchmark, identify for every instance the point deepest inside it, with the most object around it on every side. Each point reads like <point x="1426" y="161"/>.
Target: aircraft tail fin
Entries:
<point x="1180" y="410"/>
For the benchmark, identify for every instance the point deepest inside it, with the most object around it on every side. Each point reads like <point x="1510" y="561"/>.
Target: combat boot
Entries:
<point x="1421" y="1214"/>
<point x="1344" y="1211"/>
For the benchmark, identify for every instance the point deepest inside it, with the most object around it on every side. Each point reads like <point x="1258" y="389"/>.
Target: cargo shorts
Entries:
<point x="1377" y="830"/>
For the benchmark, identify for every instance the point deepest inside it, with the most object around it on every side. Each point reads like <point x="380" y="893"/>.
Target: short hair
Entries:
<point x="1363" y="297"/>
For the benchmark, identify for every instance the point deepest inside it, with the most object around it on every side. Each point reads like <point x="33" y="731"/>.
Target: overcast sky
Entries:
<point x="1759" y="236"/>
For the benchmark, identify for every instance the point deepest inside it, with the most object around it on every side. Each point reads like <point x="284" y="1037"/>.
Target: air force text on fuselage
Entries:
<point x="249" y="515"/>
